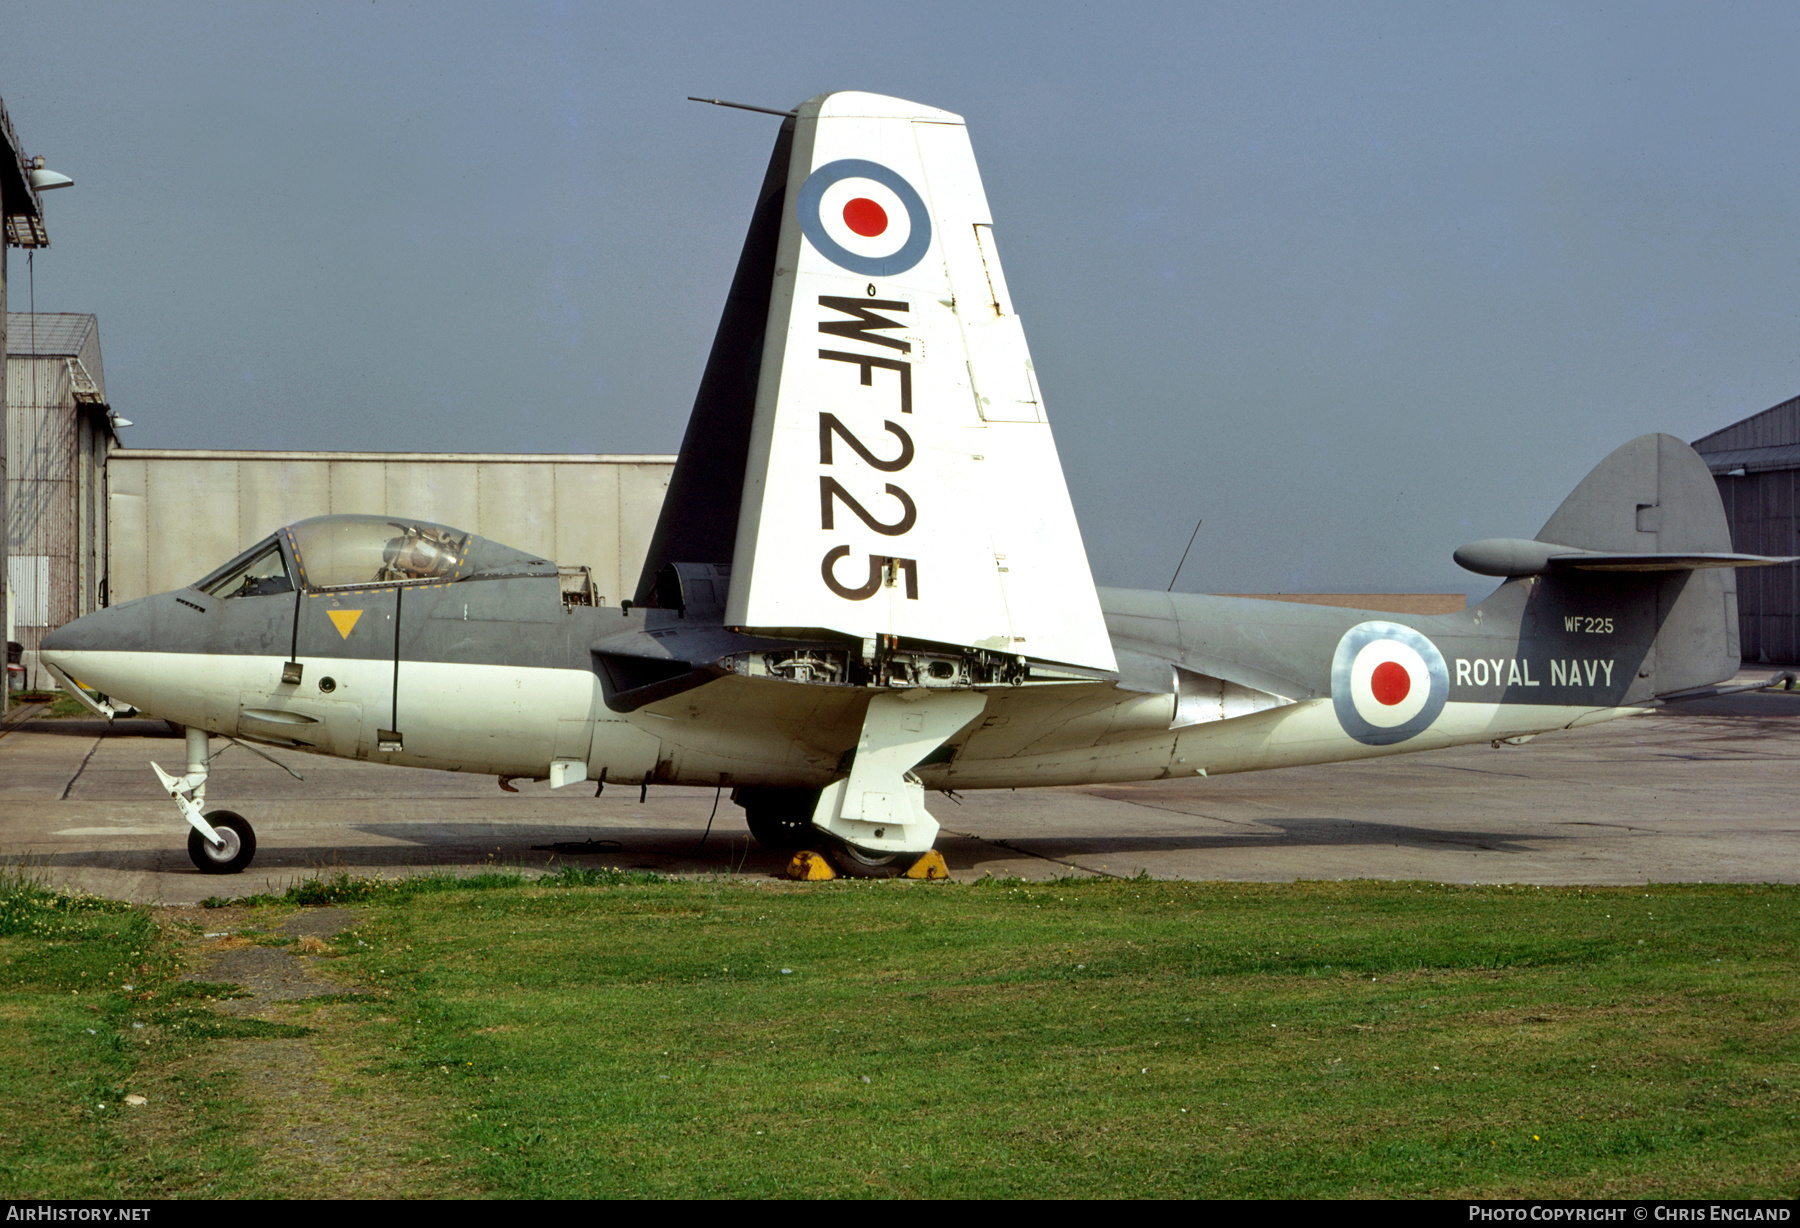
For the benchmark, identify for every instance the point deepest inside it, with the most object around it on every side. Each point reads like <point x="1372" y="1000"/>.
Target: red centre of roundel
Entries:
<point x="865" y="217"/>
<point x="1390" y="683"/>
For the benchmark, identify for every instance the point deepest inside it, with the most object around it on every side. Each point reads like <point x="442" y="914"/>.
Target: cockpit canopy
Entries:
<point x="343" y="552"/>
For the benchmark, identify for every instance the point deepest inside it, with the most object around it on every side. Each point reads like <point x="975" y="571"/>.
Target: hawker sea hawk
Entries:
<point x="867" y="583"/>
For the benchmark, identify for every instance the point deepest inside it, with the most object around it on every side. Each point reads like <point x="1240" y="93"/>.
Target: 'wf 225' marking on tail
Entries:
<point x="1591" y="626"/>
<point x="865" y="320"/>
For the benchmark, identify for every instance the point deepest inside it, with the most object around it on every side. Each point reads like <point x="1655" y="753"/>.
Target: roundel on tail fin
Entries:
<point x="1388" y="683"/>
<point x="862" y="216"/>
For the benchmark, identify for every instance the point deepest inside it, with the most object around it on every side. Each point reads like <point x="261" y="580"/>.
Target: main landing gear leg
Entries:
<point x="877" y="813"/>
<point x="221" y="842"/>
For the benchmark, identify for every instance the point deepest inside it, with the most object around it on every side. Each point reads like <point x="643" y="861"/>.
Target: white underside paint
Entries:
<point x="489" y="719"/>
<point x="1291" y="736"/>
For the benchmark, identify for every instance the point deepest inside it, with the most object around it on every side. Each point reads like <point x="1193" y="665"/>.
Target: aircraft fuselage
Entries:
<point x="501" y="677"/>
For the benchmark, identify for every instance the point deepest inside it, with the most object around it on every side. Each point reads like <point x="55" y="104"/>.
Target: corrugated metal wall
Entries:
<point x="1756" y="463"/>
<point x="1762" y="508"/>
<point x="176" y="515"/>
<point x="55" y="468"/>
<point x="40" y="503"/>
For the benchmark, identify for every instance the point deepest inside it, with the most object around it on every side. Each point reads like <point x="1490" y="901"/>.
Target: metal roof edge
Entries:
<point x="1754" y="460"/>
<point x="1710" y="444"/>
<point x="15" y="178"/>
<point x="51" y="334"/>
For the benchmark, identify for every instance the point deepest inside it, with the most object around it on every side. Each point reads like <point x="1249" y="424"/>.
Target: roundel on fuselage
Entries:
<point x="864" y="217"/>
<point x="1388" y="683"/>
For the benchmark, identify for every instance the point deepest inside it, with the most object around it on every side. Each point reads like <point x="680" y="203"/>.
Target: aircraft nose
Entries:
<point x="121" y="628"/>
<point x="112" y="651"/>
<point x="54" y="646"/>
<point x="57" y="641"/>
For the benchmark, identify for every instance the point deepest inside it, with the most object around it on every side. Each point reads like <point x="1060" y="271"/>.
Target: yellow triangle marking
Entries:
<point x="344" y="620"/>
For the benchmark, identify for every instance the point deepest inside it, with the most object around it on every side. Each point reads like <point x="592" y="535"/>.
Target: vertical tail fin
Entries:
<point x="1653" y="495"/>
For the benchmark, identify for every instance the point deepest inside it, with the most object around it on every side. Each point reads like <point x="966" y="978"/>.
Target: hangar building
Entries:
<point x="20" y="180"/>
<point x="59" y="431"/>
<point x="177" y="514"/>
<point x="1756" y="463"/>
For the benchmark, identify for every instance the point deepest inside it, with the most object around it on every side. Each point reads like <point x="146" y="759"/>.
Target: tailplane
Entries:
<point x="1653" y="501"/>
<point x="1640" y="554"/>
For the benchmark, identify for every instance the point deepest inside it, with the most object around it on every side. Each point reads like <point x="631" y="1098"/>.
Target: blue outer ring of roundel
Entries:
<point x="807" y="207"/>
<point x="1354" y="641"/>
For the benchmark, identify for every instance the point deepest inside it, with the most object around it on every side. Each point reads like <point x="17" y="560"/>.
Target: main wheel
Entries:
<point x="853" y="862"/>
<point x="778" y="831"/>
<point x="780" y="819"/>
<point x="234" y="855"/>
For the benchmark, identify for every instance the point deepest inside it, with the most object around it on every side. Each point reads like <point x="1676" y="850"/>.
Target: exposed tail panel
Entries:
<point x="901" y="477"/>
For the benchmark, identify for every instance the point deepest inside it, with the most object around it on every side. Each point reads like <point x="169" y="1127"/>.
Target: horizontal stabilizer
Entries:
<point x="1645" y="534"/>
<point x="1511" y="556"/>
<point x="1663" y="562"/>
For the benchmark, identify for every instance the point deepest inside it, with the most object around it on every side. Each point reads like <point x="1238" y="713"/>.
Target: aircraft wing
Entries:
<point x="901" y="479"/>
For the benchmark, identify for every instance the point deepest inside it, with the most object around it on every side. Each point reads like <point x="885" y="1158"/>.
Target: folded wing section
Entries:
<point x="902" y="479"/>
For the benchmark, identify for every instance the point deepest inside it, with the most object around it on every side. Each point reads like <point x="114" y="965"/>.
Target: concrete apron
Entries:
<point x="1699" y="793"/>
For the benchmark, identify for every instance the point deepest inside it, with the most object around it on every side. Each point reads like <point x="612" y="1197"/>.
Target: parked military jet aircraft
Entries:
<point x="867" y="581"/>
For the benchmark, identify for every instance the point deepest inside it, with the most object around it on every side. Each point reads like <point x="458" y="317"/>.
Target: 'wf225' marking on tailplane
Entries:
<point x="863" y="326"/>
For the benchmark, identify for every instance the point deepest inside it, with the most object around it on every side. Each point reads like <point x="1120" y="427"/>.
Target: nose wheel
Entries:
<point x="237" y="844"/>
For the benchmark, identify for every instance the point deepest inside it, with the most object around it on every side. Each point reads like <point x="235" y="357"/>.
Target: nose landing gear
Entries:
<point x="221" y="842"/>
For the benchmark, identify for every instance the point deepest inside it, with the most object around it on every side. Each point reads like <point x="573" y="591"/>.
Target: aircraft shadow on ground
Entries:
<point x="729" y="849"/>
<point x="964" y="851"/>
<point x="93" y="727"/>
<point x="676" y="852"/>
<point x="1290" y="833"/>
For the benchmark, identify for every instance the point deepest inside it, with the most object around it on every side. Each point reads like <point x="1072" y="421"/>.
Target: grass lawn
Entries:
<point x="60" y="704"/>
<point x="601" y="1035"/>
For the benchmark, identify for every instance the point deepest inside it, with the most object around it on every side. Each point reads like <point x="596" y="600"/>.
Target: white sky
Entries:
<point x="1355" y="284"/>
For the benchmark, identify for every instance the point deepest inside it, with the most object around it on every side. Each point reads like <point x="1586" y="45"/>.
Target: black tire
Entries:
<point x="779" y="832"/>
<point x="780" y="819"/>
<point x="240" y="844"/>
<point x="853" y="862"/>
